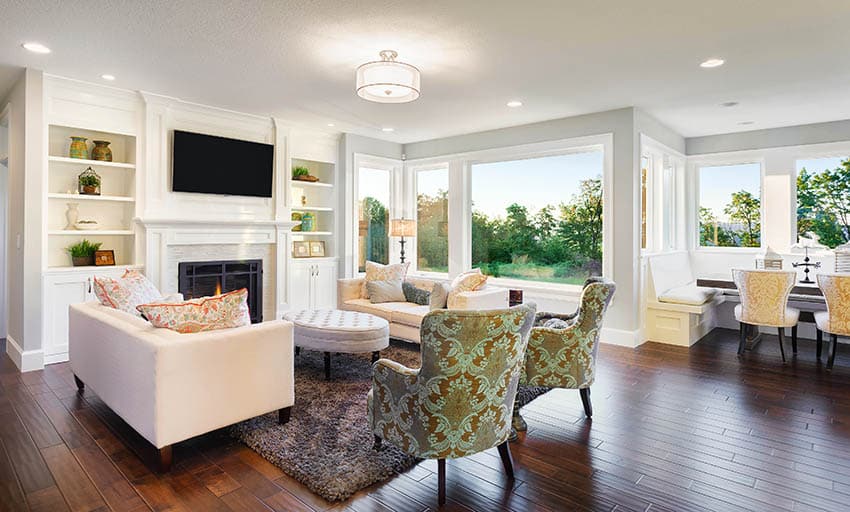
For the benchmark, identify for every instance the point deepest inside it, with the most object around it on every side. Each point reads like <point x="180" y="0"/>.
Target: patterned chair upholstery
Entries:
<point x="836" y="319"/>
<point x="764" y="302"/>
<point x="460" y="401"/>
<point x="564" y="355"/>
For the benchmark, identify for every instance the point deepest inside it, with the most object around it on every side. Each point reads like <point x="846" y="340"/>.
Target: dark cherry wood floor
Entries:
<point x="674" y="429"/>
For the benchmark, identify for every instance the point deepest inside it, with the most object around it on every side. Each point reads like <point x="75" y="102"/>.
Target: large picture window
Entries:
<point x="730" y="205"/>
<point x="373" y="200"/>
<point x="432" y="215"/>
<point x="823" y="199"/>
<point x="539" y="219"/>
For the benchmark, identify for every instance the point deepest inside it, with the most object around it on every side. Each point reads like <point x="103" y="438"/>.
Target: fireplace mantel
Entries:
<point x="178" y="223"/>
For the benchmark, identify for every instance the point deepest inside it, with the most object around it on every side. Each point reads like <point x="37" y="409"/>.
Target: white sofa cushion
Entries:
<point x="384" y="310"/>
<point x="689" y="294"/>
<point x="411" y="316"/>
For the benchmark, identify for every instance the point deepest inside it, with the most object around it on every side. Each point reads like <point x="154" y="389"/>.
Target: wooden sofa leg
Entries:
<point x="165" y="459"/>
<point x="507" y="461"/>
<point x="585" y="401"/>
<point x="80" y="384"/>
<point x="441" y="481"/>
<point x="327" y="366"/>
<point x="283" y="415"/>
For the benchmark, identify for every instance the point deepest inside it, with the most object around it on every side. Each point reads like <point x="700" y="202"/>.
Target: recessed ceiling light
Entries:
<point x="387" y="129"/>
<point x="331" y="125"/>
<point x="744" y="123"/>
<point x="729" y="104"/>
<point x="712" y="63"/>
<point x="108" y="77"/>
<point x="36" y="47"/>
<point x="514" y="103"/>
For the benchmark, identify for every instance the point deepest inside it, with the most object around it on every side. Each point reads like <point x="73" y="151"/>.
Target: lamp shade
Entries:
<point x="388" y="81"/>
<point x="402" y="227"/>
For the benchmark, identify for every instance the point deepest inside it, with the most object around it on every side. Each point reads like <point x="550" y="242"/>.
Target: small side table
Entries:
<point x="514" y="298"/>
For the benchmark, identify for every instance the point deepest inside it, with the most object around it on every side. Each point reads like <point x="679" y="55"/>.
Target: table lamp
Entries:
<point x="403" y="228"/>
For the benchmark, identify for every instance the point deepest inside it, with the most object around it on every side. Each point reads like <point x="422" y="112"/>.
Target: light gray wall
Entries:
<point x="648" y="125"/>
<point x="835" y="131"/>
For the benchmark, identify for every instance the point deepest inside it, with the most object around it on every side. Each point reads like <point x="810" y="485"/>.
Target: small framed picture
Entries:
<point x="300" y="249"/>
<point x="104" y="258"/>
<point x="317" y="249"/>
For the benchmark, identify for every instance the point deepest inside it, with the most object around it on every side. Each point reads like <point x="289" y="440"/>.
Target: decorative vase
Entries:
<point x="307" y="222"/>
<point x="72" y="214"/>
<point x="78" y="148"/>
<point x="101" y="151"/>
<point x="82" y="261"/>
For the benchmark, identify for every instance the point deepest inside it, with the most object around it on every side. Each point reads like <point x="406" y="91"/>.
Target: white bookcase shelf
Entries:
<point x="313" y="233"/>
<point x="83" y="197"/>
<point x="93" y="163"/>
<point x="318" y="199"/>
<point x="311" y="184"/>
<point x="313" y="209"/>
<point x="91" y="232"/>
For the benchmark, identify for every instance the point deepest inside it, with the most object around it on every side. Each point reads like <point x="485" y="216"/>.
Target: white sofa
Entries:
<point x="678" y="311"/>
<point x="169" y="386"/>
<point x="405" y="318"/>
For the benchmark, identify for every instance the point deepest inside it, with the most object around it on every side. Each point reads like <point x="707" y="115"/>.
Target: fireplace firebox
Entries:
<point x="206" y="278"/>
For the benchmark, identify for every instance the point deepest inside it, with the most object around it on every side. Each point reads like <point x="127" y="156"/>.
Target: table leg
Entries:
<point x="375" y="356"/>
<point x="327" y="366"/>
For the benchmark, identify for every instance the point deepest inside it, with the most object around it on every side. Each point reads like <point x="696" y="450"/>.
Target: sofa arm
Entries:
<point x="486" y="298"/>
<point x="349" y="289"/>
<point x="212" y="379"/>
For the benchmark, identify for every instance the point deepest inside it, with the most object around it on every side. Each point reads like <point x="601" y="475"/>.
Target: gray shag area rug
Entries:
<point x="327" y="444"/>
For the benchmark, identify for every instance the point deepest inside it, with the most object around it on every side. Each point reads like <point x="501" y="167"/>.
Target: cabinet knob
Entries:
<point x="89" y="280"/>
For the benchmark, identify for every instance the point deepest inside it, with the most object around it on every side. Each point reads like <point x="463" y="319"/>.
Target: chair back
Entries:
<point x="471" y="362"/>
<point x="836" y="291"/>
<point x="764" y="295"/>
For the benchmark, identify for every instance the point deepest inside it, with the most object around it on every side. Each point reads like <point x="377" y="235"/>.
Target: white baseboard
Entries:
<point x="621" y="337"/>
<point x="26" y="361"/>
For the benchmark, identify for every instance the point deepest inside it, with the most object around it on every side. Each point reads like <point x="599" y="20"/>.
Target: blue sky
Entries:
<point x="718" y="183"/>
<point x="820" y="164"/>
<point x="533" y="183"/>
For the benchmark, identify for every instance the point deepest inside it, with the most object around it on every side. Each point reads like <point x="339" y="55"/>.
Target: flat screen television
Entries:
<point x="207" y="164"/>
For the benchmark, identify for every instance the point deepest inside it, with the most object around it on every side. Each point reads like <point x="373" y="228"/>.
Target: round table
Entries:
<point x="337" y="331"/>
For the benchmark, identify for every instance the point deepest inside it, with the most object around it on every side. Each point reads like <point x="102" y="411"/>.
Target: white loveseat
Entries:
<point x="169" y="386"/>
<point x="678" y="311"/>
<point x="405" y="318"/>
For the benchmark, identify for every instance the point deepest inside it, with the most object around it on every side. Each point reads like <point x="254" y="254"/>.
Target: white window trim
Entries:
<point x="395" y="207"/>
<point x="460" y="231"/>
<point x="738" y="158"/>
<point x="661" y="237"/>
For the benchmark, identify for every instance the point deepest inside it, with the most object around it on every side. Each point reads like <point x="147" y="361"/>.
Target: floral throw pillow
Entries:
<point x="378" y="272"/>
<point x="466" y="282"/>
<point x="204" y="314"/>
<point x="126" y="292"/>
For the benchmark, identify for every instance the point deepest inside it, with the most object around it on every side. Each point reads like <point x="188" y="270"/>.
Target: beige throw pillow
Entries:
<point x="378" y="272"/>
<point x="439" y="295"/>
<point x="466" y="282"/>
<point x="385" y="291"/>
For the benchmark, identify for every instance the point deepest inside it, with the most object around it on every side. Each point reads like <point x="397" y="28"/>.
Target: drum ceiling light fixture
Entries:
<point x="387" y="80"/>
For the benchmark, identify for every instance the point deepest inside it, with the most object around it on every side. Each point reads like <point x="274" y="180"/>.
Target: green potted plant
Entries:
<point x="82" y="252"/>
<point x="89" y="183"/>
<point x="301" y="173"/>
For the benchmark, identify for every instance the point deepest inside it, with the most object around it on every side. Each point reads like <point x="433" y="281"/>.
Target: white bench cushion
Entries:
<point x="689" y="294"/>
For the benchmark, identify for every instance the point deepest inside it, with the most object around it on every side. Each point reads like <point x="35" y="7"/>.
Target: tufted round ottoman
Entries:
<point x="334" y="330"/>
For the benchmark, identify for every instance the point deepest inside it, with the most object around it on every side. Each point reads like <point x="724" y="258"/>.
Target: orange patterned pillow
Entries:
<point x="204" y="314"/>
<point x="132" y="289"/>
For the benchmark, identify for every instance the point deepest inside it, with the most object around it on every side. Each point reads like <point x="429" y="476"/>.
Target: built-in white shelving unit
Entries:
<point x="113" y="209"/>
<point x="319" y="200"/>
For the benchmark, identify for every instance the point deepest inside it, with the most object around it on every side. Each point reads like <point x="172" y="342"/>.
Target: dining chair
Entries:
<point x="461" y="400"/>
<point x="764" y="303"/>
<point x="835" y="321"/>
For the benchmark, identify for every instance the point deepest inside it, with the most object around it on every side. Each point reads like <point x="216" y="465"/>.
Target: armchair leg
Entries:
<point x="794" y="339"/>
<point x="327" y="366"/>
<point x="820" y="342"/>
<point x="742" y="343"/>
<point x="283" y="415"/>
<point x="834" y="350"/>
<point x="585" y="401"/>
<point x="782" y="342"/>
<point x="377" y="445"/>
<point x="507" y="461"/>
<point x="80" y="385"/>
<point x="165" y="459"/>
<point x="441" y="481"/>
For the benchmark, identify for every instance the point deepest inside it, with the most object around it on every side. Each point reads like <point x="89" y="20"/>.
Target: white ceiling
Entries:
<point x="787" y="61"/>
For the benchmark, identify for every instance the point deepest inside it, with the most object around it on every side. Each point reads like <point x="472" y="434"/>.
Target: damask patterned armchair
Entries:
<point x="562" y="348"/>
<point x="460" y="401"/>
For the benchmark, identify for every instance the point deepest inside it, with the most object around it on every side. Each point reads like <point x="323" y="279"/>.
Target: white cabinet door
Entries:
<point x="60" y="292"/>
<point x="324" y="285"/>
<point x="300" y="285"/>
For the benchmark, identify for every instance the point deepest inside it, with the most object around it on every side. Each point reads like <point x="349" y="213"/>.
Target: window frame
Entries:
<point x="842" y="151"/>
<point x="394" y="167"/>
<point x="665" y="198"/>
<point x="412" y="172"/>
<point x="695" y="165"/>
